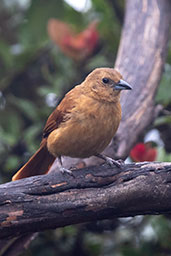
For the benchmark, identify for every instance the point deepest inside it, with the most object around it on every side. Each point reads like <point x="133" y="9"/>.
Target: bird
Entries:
<point x="82" y="125"/>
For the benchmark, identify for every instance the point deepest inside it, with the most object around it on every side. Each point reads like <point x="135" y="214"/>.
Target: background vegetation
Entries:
<point x="35" y="73"/>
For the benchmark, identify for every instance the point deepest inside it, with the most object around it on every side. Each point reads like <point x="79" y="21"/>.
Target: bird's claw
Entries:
<point x="111" y="162"/>
<point x="66" y="171"/>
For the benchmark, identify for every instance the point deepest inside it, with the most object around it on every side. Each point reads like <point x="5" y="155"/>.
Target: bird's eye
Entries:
<point x="105" y="80"/>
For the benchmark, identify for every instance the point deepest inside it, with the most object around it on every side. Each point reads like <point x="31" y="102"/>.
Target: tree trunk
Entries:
<point x="141" y="59"/>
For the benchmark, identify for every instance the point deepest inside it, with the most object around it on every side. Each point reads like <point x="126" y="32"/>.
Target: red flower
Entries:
<point x="76" y="46"/>
<point x="143" y="152"/>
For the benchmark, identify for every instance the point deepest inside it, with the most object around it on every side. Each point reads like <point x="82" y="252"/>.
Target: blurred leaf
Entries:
<point x="5" y="55"/>
<point x="109" y="26"/>
<point x="12" y="162"/>
<point x="25" y="106"/>
<point x="10" y="127"/>
<point x="162" y="156"/>
<point x="43" y="91"/>
<point x="162" y="227"/>
<point x="98" y="61"/>
<point x="30" y="136"/>
<point x="162" y="120"/>
<point x="73" y="17"/>
<point x="34" y="30"/>
<point x="164" y="92"/>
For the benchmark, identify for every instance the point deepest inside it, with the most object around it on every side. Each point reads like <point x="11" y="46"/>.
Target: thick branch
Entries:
<point x="56" y="200"/>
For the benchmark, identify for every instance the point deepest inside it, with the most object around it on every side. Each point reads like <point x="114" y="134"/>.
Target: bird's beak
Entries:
<point x="122" y="85"/>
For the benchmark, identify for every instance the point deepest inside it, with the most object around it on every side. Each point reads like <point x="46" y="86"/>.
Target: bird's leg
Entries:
<point x="110" y="161"/>
<point x="62" y="169"/>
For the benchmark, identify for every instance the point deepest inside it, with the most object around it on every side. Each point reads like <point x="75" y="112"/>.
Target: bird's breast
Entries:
<point x="88" y="129"/>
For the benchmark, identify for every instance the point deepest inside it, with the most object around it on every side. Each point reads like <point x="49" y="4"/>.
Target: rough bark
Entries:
<point x="140" y="59"/>
<point x="57" y="200"/>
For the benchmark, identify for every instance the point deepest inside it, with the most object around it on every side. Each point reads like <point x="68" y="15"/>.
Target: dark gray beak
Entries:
<point x="122" y="85"/>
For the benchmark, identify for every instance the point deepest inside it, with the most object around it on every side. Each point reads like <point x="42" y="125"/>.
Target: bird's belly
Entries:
<point x="82" y="138"/>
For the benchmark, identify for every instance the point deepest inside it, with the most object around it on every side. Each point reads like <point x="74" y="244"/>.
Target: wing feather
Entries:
<point x="59" y="114"/>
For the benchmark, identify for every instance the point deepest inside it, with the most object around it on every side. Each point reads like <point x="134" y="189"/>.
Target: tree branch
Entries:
<point x="94" y="193"/>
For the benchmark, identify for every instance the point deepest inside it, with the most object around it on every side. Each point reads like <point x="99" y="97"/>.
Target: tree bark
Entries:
<point x="141" y="58"/>
<point x="94" y="193"/>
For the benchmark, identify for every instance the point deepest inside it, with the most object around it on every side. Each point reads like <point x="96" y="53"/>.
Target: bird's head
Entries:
<point x="106" y="83"/>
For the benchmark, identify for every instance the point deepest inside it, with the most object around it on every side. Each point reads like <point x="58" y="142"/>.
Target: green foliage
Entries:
<point x="33" y="30"/>
<point x="163" y="156"/>
<point x="6" y="56"/>
<point x="110" y="28"/>
<point x="164" y="92"/>
<point x="163" y="120"/>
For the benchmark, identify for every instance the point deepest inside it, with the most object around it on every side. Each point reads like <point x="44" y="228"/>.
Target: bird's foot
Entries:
<point x="65" y="171"/>
<point x="62" y="169"/>
<point x="110" y="161"/>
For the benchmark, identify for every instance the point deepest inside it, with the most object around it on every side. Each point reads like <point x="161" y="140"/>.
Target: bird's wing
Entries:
<point x="53" y="122"/>
<point x="59" y="114"/>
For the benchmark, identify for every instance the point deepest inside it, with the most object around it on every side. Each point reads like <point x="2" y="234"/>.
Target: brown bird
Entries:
<point x="82" y="125"/>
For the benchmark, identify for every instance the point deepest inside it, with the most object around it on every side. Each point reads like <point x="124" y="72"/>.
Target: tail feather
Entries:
<point x="38" y="164"/>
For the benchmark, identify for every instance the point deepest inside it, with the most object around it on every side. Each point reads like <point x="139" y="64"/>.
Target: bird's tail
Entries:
<point x="38" y="164"/>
